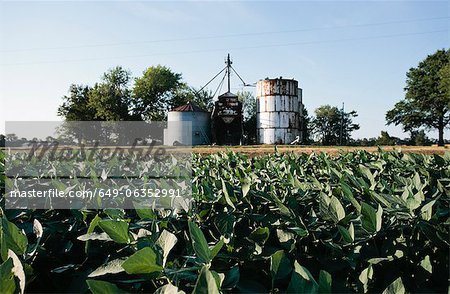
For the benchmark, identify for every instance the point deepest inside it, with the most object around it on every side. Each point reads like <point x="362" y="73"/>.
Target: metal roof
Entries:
<point x="189" y="107"/>
<point x="228" y="94"/>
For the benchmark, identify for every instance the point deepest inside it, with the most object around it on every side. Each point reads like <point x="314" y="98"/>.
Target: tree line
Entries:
<point x="115" y="98"/>
<point x="120" y="97"/>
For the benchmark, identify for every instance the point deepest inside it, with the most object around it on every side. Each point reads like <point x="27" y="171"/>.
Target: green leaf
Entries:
<point x="226" y="195"/>
<point x="94" y="236"/>
<point x="395" y="288"/>
<point x="427" y="210"/>
<point x="199" y="242"/>
<point x="218" y="278"/>
<point x="12" y="238"/>
<point x="112" y="267"/>
<point x="17" y="270"/>
<point x="216" y="248"/>
<point x="92" y="226"/>
<point x="168" y="289"/>
<point x="371" y="218"/>
<point x="426" y="264"/>
<point x="206" y="283"/>
<point x="144" y="261"/>
<point x="232" y="277"/>
<point x="336" y="209"/>
<point x="102" y="287"/>
<point x="347" y="235"/>
<point x="260" y="235"/>
<point x="365" y="276"/>
<point x="166" y="241"/>
<point x="280" y="266"/>
<point x="347" y="193"/>
<point x="324" y="282"/>
<point x="245" y="187"/>
<point x="8" y="285"/>
<point x="299" y="231"/>
<point x="302" y="281"/>
<point x="117" y="230"/>
<point x="146" y="213"/>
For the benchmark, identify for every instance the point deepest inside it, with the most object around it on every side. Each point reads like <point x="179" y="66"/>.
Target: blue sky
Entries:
<point x="354" y="52"/>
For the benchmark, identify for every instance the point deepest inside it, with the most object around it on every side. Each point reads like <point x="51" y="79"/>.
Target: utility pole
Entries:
<point x="342" y="125"/>
<point x="228" y="63"/>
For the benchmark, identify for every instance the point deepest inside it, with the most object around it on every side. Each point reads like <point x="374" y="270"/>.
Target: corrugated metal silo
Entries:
<point x="179" y="133"/>
<point x="278" y="111"/>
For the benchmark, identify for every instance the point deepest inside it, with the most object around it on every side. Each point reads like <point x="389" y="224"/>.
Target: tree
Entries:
<point x="427" y="98"/>
<point x="306" y="126"/>
<point x="385" y="139"/>
<point x="76" y="105"/>
<point x="154" y="91"/>
<point x="249" y="115"/>
<point x="327" y="124"/>
<point x="2" y="140"/>
<point x="419" y="138"/>
<point x="111" y="98"/>
<point x="185" y="94"/>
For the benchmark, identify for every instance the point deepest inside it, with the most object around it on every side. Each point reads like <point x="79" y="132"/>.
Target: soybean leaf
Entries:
<point x="395" y="288"/>
<point x="102" y="287"/>
<point x="206" y="282"/>
<point x="302" y="281"/>
<point x="112" y="267"/>
<point x="216" y="248"/>
<point x="280" y="265"/>
<point x="166" y="241"/>
<point x="168" y="289"/>
<point x="336" y="209"/>
<point x="17" y="270"/>
<point x="144" y="261"/>
<point x="12" y="238"/>
<point x="8" y="285"/>
<point x="347" y="235"/>
<point x="426" y="264"/>
<point x="199" y="242"/>
<point x="324" y="282"/>
<point x="371" y="218"/>
<point x="117" y="230"/>
<point x="260" y="235"/>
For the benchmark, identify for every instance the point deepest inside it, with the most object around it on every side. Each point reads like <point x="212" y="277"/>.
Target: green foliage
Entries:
<point x="153" y="92"/>
<point x="102" y="287"/>
<point x="116" y="230"/>
<point x="249" y="113"/>
<point x="144" y="261"/>
<point x="385" y="139"/>
<point x="76" y="106"/>
<point x="7" y="277"/>
<point x="427" y="99"/>
<point x="185" y="94"/>
<point x="328" y="123"/>
<point x="357" y="222"/>
<point x="419" y="138"/>
<point x="111" y="98"/>
<point x="12" y="238"/>
<point x="158" y="90"/>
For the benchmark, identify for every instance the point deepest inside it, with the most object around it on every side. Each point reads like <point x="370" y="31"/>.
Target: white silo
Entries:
<point x="187" y="125"/>
<point x="278" y="111"/>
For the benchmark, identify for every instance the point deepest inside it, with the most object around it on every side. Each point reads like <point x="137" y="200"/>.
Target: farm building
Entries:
<point x="279" y="108"/>
<point x="188" y="125"/>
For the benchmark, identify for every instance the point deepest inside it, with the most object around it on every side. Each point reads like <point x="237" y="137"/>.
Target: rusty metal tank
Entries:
<point x="278" y="111"/>
<point x="227" y="120"/>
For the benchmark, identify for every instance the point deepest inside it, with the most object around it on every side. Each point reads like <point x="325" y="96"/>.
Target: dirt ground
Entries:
<point x="254" y="150"/>
<point x="333" y="150"/>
